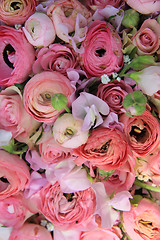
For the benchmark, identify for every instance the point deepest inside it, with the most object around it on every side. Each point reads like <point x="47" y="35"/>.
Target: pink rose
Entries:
<point x="57" y="57"/>
<point x="113" y="94"/>
<point x="30" y="231"/>
<point x="122" y="178"/>
<point x="147" y="38"/>
<point x="102" y="50"/>
<point x="14" y="118"/>
<point x="144" y="6"/>
<point x="142" y="222"/>
<point x="38" y="93"/>
<point x="101" y="233"/>
<point x="67" y="211"/>
<point x="14" y="174"/>
<point x="98" y="4"/>
<point x="13" y="211"/>
<point x="16" y="56"/>
<point x="16" y="12"/>
<point x="51" y="151"/>
<point x="105" y="148"/>
<point x="64" y="13"/>
<point x="142" y="132"/>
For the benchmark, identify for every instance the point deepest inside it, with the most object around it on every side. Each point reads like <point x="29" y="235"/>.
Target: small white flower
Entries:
<point x="118" y="79"/>
<point x="50" y="227"/>
<point x="43" y="223"/>
<point x="105" y="79"/>
<point x="126" y="59"/>
<point x="17" y="26"/>
<point x="114" y="75"/>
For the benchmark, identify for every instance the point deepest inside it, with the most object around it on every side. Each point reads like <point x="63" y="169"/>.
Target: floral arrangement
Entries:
<point x="79" y="128"/>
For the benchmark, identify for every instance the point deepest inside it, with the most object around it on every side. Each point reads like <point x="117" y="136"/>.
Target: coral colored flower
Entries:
<point x="63" y="14"/>
<point x="113" y="94"/>
<point x="39" y="30"/>
<point x="67" y="211"/>
<point x="142" y="133"/>
<point x="38" y="93"/>
<point x="14" y="118"/>
<point x="16" y="12"/>
<point x="144" y="6"/>
<point x="105" y="148"/>
<point x="30" y="231"/>
<point x="13" y="211"/>
<point x="67" y="131"/>
<point x="56" y="57"/>
<point x="102" y="50"/>
<point x="16" y="56"/>
<point x="147" y="38"/>
<point x="14" y="174"/>
<point x="143" y="222"/>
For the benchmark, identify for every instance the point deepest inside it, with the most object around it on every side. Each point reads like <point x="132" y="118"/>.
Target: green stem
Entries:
<point x="67" y="109"/>
<point x="146" y="186"/>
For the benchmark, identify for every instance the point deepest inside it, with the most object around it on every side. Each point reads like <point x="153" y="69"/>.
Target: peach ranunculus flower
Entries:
<point x="147" y="38"/>
<point x="63" y="14"/>
<point x="142" y="222"/>
<point x="67" y="211"/>
<point x="14" y="174"/>
<point x="102" y="50"/>
<point x="142" y="133"/>
<point x="105" y="148"/>
<point x="67" y="131"/>
<point x="16" y="12"/>
<point x="14" y="117"/>
<point x="16" y="56"/>
<point x="144" y="6"/>
<point x="38" y="93"/>
<point x="30" y="231"/>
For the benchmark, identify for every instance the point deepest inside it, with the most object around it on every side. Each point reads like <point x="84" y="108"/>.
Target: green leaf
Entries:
<point x="128" y="101"/>
<point x="105" y="173"/>
<point x="142" y="62"/>
<point x="59" y="102"/>
<point x="10" y="147"/>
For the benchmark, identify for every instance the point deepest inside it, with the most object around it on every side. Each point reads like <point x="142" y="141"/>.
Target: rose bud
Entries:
<point x="39" y="91"/>
<point x="141" y="133"/>
<point x="16" y="56"/>
<point x="16" y="12"/>
<point x="102" y="50"/>
<point x="14" y="174"/>
<point x="39" y="30"/>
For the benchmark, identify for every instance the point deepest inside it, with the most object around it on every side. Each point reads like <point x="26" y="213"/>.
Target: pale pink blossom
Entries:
<point x="144" y="6"/>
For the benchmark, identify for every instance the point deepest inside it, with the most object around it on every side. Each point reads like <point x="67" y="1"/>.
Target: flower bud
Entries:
<point x="130" y="19"/>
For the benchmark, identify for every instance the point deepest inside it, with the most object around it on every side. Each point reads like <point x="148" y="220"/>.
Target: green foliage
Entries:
<point x="59" y="102"/>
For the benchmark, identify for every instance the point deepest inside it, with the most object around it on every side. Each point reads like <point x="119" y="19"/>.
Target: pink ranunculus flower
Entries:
<point x="51" y="151"/>
<point x="113" y="94"/>
<point x="30" y="231"/>
<point x="16" y="12"/>
<point x="144" y="6"/>
<point x="67" y="131"/>
<point x="16" y="56"/>
<point x="122" y="178"/>
<point x="98" y="4"/>
<point x="39" y="30"/>
<point x="13" y="211"/>
<point x="147" y="39"/>
<point x="56" y="57"/>
<point x="14" y="174"/>
<point x="142" y="222"/>
<point x="63" y="14"/>
<point x="102" y="50"/>
<point x="142" y="133"/>
<point x="105" y="148"/>
<point x="39" y="91"/>
<point x="67" y="211"/>
<point x="14" y="118"/>
<point x="101" y="233"/>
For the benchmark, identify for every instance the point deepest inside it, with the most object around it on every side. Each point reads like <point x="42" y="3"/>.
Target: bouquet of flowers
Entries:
<point x="79" y="127"/>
